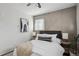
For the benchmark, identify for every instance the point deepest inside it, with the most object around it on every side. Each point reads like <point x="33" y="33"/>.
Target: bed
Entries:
<point x="42" y="45"/>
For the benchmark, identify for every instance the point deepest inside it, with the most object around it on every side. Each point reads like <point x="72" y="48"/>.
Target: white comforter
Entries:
<point x="44" y="48"/>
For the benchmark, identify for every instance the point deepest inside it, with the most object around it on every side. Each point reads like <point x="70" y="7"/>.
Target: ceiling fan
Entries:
<point x="38" y="5"/>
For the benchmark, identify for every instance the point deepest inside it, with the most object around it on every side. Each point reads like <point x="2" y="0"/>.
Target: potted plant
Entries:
<point x="73" y="46"/>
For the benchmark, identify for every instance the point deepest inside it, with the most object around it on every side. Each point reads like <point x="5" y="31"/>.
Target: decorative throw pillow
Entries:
<point x="45" y="39"/>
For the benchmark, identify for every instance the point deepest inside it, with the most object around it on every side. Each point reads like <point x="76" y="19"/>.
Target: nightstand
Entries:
<point x="66" y="46"/>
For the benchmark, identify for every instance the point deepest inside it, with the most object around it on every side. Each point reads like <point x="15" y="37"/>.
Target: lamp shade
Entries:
<point x="34" y="33"/>
<point x="65" y="35"/>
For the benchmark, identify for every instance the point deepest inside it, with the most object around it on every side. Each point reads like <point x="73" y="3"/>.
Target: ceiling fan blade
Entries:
<point x="28" y="4"/>
<point x="39" y="5"/>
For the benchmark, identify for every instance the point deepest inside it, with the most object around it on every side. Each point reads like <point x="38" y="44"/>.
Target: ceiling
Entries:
<point x="34" y="10"/>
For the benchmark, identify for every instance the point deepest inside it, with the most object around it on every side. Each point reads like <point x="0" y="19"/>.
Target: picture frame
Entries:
<point x="24" y="24"/>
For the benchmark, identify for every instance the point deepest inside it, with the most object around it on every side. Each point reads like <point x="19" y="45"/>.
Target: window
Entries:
<point x="39" y="24"/>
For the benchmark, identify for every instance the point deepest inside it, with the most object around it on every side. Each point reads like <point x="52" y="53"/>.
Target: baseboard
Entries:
<point x="4" y="52"/>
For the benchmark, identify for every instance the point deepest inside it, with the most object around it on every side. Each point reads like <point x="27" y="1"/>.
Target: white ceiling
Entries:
<point x="34" y="10"/>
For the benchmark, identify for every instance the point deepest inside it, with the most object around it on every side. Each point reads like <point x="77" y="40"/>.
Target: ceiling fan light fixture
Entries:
<point x="38" y="5"/>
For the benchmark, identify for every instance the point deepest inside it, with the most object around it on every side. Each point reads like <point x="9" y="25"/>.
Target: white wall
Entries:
<point x="77" y="18"/>
<point x="9" y="27"/>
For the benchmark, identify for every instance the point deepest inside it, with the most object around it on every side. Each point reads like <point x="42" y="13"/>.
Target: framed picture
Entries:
<point x="24" y="24"/>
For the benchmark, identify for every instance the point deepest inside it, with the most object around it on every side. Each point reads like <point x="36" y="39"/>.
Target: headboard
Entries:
<point x="59" y="33"/>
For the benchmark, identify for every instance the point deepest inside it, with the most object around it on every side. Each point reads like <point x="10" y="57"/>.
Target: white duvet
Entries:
<point x="44" y="48"/>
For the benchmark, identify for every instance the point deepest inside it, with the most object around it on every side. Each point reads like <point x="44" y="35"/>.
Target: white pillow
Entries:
<point x="46" y="35"/>
<point x="56" y="40"/>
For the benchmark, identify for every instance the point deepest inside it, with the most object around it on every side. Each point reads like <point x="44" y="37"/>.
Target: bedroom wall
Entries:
<point x="77" y="18"/>
<point x="10" y="34"/>
<point x="63" y="20"/>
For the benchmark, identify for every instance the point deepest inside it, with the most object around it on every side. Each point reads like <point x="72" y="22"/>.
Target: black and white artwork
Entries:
<point x="24" y="24"/>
